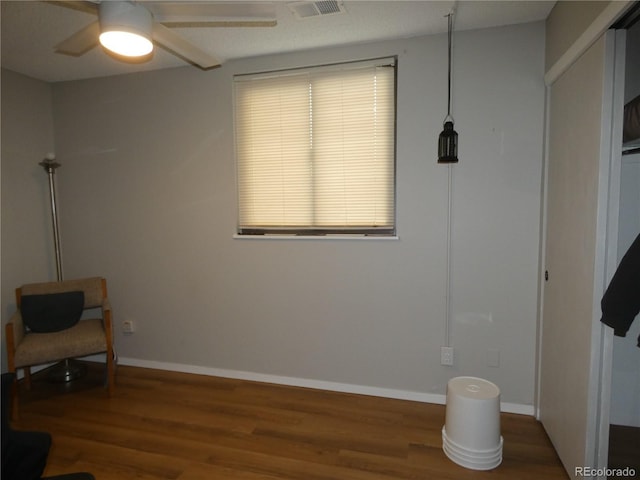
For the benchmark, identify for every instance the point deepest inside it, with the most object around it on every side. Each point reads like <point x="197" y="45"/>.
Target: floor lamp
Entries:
<point x="67" y="370"/>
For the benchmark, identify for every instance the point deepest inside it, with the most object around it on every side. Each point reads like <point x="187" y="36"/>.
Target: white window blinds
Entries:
<point x="315" y="150"/>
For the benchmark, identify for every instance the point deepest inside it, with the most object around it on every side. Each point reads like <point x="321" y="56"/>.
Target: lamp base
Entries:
<point x="66" y="371"/>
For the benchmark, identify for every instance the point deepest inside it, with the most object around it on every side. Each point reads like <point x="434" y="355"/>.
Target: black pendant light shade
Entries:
<point x="448" y="140"/>
<point x="448" y="144"/>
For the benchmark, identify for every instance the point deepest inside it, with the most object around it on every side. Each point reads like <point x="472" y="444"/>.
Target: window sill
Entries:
<point x="315" y="237"/>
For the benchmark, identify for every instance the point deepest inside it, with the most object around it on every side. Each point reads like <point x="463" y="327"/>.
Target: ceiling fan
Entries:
<point x="130" y="28"/>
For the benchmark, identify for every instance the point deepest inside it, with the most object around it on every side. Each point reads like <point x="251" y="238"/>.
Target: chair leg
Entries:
<point x="110" y="372"/>
<point x="27" y="377"/>
<point x="15" y="410"/>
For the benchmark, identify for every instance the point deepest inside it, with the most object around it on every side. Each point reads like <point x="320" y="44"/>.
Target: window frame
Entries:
<point x="387" y="231"/>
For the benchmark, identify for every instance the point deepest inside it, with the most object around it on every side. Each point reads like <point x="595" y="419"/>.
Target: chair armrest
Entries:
<point x="17" y="328"/>
<point x="14" y="330"/>
<point x="106" y="304"/>
<point x="106" y="315"/>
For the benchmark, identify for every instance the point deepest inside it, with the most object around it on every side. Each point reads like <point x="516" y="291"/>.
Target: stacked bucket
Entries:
<point x="471" y="434"/>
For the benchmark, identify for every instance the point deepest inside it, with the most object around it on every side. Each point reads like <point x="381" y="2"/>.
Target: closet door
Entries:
<point x="573" y="339"/>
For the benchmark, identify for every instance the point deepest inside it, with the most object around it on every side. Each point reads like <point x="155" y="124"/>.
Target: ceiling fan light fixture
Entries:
<point x="126" y="43"/>
<point x="126" y="28"/>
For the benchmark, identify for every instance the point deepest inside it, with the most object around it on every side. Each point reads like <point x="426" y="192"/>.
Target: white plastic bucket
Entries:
<point x="471" y="434"/>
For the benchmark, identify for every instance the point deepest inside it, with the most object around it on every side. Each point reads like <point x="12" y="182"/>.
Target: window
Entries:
<point x="315" y="150"/>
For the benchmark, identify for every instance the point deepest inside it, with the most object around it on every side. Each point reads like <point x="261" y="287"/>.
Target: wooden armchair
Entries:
<point x="27" y="348"/>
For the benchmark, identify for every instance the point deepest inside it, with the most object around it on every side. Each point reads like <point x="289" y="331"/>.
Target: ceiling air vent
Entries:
<point x="316" y="9"/>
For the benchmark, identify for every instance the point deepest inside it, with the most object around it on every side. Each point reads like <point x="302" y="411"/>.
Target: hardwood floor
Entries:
<point x="167" y="425"/>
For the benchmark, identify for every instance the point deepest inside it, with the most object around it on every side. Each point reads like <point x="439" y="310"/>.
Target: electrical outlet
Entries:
<point x="127" y="327"/>
<point x="446" y="356"/>
<point x="493" y="357"/>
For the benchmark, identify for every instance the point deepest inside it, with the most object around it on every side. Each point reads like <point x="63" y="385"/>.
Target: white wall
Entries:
<point x="27" y="237"/>
<point x="147" y="199"/>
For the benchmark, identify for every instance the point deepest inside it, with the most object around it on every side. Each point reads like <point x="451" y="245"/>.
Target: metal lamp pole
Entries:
<point x="66" y="370"/>
<point x="49" y="164"/>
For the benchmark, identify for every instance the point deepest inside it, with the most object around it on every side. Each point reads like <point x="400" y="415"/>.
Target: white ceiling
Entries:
<point x="30" y="29"/>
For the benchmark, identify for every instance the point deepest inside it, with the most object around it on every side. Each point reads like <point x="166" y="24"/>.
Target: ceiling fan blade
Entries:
<point x="183" y="48"/>
<point x="224" y="14"/>
<point x="86" y="6"/>
<point x="81" y="41"/>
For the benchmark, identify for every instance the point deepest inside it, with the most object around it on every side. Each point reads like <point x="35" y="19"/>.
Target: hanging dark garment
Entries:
<point x="621" y="301"/>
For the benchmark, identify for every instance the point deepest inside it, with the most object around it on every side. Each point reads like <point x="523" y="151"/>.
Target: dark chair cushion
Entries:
<point x="51" y="312"/>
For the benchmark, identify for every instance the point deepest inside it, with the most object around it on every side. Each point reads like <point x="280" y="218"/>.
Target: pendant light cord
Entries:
<point x="447" y="325"/>
<point x="450" y="15"/>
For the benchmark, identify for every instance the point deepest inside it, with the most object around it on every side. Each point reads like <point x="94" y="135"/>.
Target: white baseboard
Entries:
<point x="440" y="399"/>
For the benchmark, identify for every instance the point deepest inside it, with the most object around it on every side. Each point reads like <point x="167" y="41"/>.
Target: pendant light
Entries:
<point x="448" y="140"/>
